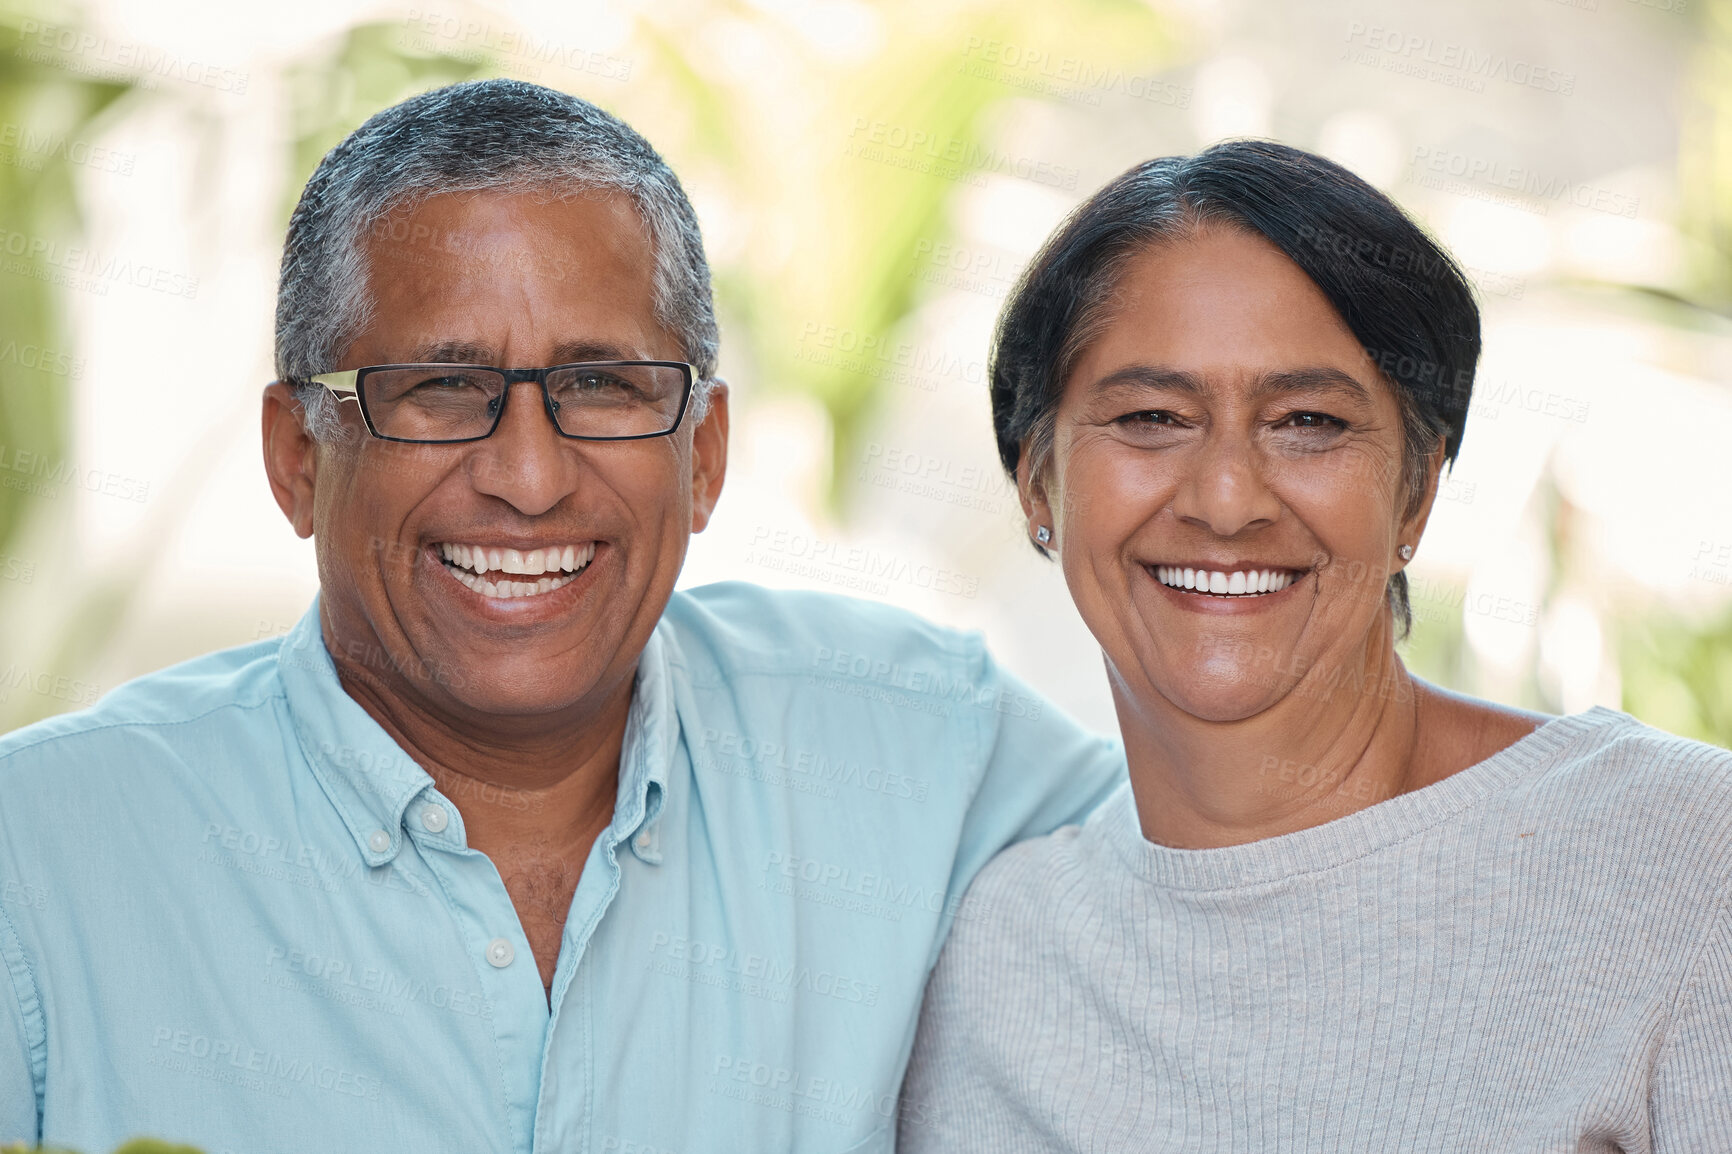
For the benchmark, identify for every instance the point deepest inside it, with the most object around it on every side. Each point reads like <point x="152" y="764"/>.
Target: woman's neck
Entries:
<point x="1322" y="752"/>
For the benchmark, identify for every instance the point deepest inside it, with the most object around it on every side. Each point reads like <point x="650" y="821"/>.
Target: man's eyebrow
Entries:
<point x="476" y="353"/>
<point x="452" y="353"/>
<point x="569" y="352"/>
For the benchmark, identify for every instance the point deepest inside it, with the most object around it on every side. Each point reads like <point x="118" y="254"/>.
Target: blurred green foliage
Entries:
<point x="370" y="67"/>
<point x="1677" y="673"/>
<point x="1705" y="158"/>
<point x="46" y="109"/>
<point x="843" y="188"/>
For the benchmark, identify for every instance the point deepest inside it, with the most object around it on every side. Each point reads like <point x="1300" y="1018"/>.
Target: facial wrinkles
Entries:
<point x="606" y="492"/>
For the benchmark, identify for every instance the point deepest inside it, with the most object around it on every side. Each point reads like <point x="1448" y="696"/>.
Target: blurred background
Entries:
<point x="870" y="178"/>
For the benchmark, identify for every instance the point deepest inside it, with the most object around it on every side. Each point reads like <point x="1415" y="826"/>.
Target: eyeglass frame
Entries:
<point x="350" y="389"/>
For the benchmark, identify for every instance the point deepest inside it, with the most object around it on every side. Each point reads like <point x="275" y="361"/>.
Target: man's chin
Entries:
<point x="483" y="696"/>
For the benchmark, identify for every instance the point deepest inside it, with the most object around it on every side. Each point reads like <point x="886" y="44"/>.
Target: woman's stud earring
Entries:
<point x="1043" y="535"/>
<point x="1406" y="552"/>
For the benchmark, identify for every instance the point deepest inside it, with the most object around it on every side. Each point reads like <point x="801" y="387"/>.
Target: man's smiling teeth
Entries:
<point x="1215" y="581"/>
<point x="469" y="564"/>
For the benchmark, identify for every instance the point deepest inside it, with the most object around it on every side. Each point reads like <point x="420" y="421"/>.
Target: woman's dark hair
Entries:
<point x="1399" y="292"/>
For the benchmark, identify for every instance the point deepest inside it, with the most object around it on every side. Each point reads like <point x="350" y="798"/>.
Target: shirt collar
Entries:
<point x="365" y="773"/>
<point x="651" y="734"/>
<point x="371" y="780"/>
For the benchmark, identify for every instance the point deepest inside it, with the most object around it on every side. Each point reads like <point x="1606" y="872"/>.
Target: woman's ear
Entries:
<point x="1413" y="528"/>
<point x="1037" y="507"/>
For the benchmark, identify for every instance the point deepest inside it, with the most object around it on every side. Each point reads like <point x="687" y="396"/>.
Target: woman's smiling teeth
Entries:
<point x="470" y="564"/>
<point x="1245" y="582"/>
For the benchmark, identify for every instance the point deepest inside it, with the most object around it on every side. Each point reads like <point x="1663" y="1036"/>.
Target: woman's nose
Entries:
<point x="1223" y="489"/>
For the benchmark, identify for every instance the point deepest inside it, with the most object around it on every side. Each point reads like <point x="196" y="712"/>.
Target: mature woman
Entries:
<point x="1337" y="908"/>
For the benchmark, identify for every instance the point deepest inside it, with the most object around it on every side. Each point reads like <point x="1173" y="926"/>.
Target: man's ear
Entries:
<point x="710" y="456"/>
<point x="291" y="457"/>
<point x="1036" y="504"/>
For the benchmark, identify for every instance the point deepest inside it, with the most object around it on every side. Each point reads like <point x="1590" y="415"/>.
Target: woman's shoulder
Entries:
<point x="1615" y="780"/>
<point x="1611" y="746"/>
<point x="1602" y="749"/>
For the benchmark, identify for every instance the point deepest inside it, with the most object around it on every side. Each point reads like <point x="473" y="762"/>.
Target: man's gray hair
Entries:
<point x="480" y="136"/>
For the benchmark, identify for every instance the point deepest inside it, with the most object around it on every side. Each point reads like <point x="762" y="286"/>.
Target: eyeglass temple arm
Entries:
<point x="341" y="382"/>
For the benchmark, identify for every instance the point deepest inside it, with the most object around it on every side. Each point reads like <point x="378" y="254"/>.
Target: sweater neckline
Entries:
<point x="1345" y="838"/>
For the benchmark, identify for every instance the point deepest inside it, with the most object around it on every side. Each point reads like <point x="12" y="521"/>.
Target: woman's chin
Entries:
<point x="1214" y="697"/>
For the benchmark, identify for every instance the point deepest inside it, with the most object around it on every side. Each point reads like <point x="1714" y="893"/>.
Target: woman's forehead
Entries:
<point x="1220" y="305"/>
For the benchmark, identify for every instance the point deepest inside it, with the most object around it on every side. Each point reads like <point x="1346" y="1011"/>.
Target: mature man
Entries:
<point x="507" y="846"/>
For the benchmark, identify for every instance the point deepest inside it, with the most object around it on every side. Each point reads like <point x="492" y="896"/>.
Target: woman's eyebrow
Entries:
<point x="1312" y="379"/>
<point x="1152" y="377"/>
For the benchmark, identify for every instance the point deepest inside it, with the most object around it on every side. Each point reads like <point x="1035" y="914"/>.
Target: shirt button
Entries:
<point x="379" y="841"/>
<point x="499" y="953"/>
<point x="643" y="840"/>
<point x="435" y="818"/>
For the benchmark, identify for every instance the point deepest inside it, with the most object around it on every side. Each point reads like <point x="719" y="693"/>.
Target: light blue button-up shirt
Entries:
<point x="234" y="913"/>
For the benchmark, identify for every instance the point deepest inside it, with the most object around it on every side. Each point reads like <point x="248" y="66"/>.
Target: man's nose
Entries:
<point x="1224" y="489"/>
<point x="525" y="462"/>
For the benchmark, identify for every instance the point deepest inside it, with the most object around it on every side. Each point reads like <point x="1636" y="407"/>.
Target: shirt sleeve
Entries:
<point x="19" y="1010"/>
<point x="1691" y="1095"/>
<point x="1041" y="770"/>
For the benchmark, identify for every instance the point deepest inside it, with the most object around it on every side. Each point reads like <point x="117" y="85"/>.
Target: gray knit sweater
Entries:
<point x="1534" y="954"/>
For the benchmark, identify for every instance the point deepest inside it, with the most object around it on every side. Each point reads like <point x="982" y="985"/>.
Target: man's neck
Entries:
<point x="525" y="787"/>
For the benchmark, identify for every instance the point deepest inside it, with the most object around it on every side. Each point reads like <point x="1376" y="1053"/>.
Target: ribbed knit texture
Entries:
<point x="1534" y="954"/>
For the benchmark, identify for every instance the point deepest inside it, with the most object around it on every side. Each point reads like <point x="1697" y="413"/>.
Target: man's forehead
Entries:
<point x="511" y="279"/>
<point x="508" y="209"/>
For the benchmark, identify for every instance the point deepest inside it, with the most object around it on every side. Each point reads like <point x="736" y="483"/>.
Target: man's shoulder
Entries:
<point x="244" y="677"/>
<point x="1014" y="915"/>
<point x="740" y="628"/>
